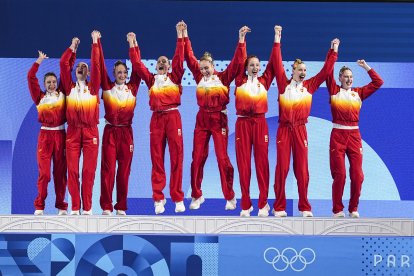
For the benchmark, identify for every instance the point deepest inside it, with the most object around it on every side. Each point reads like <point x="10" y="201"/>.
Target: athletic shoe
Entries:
<point x="195" y="203"/>
<point x="62" y="212"/>
<point x="107" y="213"/>
<point x="159" y="206"/>
<point x="87" y="213"/>
<point x="264" y="212"/>
<point x="179" y="207"/>
<point x="75" y="213"/>
<point x="231" y="204"/>
<point x="354" y="214"/>
<point x="246" y="213"/>
<point x="307" y="214"/>
<point x="340" y="214"/>
<point x="120" y="213"/>
<point x="279" y="214"/>
<point x="39" y="213"/>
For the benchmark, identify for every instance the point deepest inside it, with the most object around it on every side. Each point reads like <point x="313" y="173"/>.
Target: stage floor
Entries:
<point x="207" y="225"/>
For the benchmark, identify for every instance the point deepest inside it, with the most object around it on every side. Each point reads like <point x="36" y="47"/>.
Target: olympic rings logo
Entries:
<point x="289" y="257"/>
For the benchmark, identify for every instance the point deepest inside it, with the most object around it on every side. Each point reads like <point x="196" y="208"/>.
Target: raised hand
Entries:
<point x="41" y="57"/>
<point x="363" y="64"/>
<point x="242" y="33"/>
<point x="95" y="36"/>
<point x="278" y="33"/>
<point x="180" y="28"/>
<point x="75" y="44"/>
<point x="335" y="44"/>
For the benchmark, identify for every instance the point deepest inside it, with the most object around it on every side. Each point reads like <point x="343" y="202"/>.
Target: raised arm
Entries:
<point x="32" y="80"/>
<point x="236" y="66"/>
<point x="134" y="81"/>
<point x="192" y="62"/>
<point x="330" y="79"/>
<point x="178" y="59"/>
<point x="141" y="71"/>
<point x="269" y="73"/>
<point x="66" y="65"/>
<point x="105" y="80"/>
<point x="278" y="69"/>
<point x="374" y="85"/>
<point x="95" y="82"/>
<point x="328" y="66"/>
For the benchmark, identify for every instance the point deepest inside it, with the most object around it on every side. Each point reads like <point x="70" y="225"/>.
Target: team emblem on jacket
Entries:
<point x="305" y="143"/>
<point x="179" y="132"/>
<point x="223" y="131"/>
<point x="95" y="140"/>
<point x="360" y="150"/>
<point x="266" y="138"/>
<point x="131" y="148"/>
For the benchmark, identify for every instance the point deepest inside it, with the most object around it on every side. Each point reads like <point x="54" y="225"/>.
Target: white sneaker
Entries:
<point x="279" y="214"/>
<point x="231" y="204"/>
<point x="159" y="206"/>
<point x="354" y="214"/>
<point x="62" y="212"/>
<point x="87" y="213"/>
<point x="120" y="213"/>
<point x="75" y="213"/>
<point x="107" y="213"/>
<point x="195" y="203"/>
<point x="307" y="214"/>
<point x="39" y="213"/>
<point x="179" y="207"/>
<point x="246" y="213"/>
<point x="264" y="212"/>
<point x="340" y="214"/>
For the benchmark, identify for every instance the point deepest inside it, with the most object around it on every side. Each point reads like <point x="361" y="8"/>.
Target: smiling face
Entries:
<point x="50" y="83"/>
<point x="299" y="72"/>
<point x="253" y="66"/>
<point x="206" y="68"/>
<point x="82" y="71"/>
<point x="120" y="73"/>
<point x="163" y="65"/>
<point x="346" y="79"/>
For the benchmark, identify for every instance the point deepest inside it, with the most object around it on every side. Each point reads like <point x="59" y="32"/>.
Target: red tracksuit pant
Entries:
<point x="211" y="124"/>
<point x="293" y="139"/>
<point x="87" y="140"/>
<point x="117" y="145"/>
<point x="344" y="141"/>
<point x="252" y="131"/>
<point x="51" y="145"/>
<point x="166" y="127"/>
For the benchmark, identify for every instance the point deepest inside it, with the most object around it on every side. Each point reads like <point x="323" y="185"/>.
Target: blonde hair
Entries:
<point x="207" y="57"/>
<point x="296" y="63"/>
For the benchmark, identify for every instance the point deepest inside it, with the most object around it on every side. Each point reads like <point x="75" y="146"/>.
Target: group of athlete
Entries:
<point x="76" y="101"/>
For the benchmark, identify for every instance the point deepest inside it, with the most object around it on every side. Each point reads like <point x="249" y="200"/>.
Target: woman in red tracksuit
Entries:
<point x="252" y="130"/>
<point x="51" y="142"/>
<point x="164" y="98"/>
<point x="212" y="98"/>
<point x="82" y="113"/>
<point x="346" y="102"/>
<point x="295" y="99"/>
<point x="119" y="99"/>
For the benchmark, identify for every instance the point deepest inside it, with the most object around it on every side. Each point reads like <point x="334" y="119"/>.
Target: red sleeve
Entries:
<point x="178" y="62"/>
<point x="95" y="82"/>
<point x="331" y="84"/>
<point x="269" y="74"/>
<point x="134" y="81"/>
<point x="33" y="82"/>
<point x="142" y="71"/>
<point x="316" y="81"/>
<point x="66" y="65"/>
<point x="236" y="65"/>
<point x="278" y="69"/>
<point x="191" y="60"/>
<point x="374" y="85"/>
<point x="105" y="80"/>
